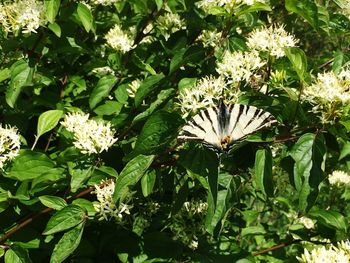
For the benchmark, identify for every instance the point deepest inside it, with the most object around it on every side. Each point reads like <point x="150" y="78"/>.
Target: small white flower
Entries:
<point x="169" y="23"/>
<point x="27" y="15"/>
<point x="336" y="254"/>
<point x="195" y="207"/>
<point x="90" y="136"/>
<point x="239" y="65"/>
<point x="133" y="87"/>
<point x="9" y="144"/>
<point x="207" y="92"/>
<point x="104" y="2"/>
<point x="338" y="178"/>
<point x="119" y="40"/>
<point x="328" y="94"/>
<point x="210" y="38"/>
<point x="271" y="39"/>
<point x="194" y="244"/>
<point x="228" y="5"/>
<point x="102" y="71"/>
<point x="105" y="205"/>
<point x="307" y="222"/>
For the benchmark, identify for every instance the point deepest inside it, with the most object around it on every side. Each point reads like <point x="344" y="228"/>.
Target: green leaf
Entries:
<point x="78" y="176"/>
<point x="204" y="163"/>
<point x="121" y="93"/>
<point x="109" y="108"/>
<point x="87" y="205"/>
<point x="263" y="171"/>
<point x="21" y="76"/>
<point x="66" y="218"/>
<point x="147" y="86"/>
<point x="345" y="151"/>
<point x="184" y="56"/>
<point x="161" y="98"/>
<point x="147" y="182"/>
<point x="159" y="4"/>
<point x="304" y="8"/>
<point x="55" y="28"/>
<point x="322" y="18"/>
<point x="4" y="74"/>
<point x="46" y="178"/>
<point x="51" y="9"/>
<point x="159" y="130"/>
<point x="298" y="59"/>
<point x="341" y="3"/>
<point x="142" y="65"/>
<point x="253" y="230"/>
<point x="221" y="207"/>
<point x="131" y="174"/>
<point x="29" y="165"/>
<point x="17" y="254"/>
<point x="332" y="219"/>
<point x="53" y="202"/>
<point x="254" y="8"/>
<point x="308" y="154"/>
<point x="48" y="120"/>
<point x="102" y="90"/>
<point x="338" y="61"/>
<point x="85" y="15"/>
<point x="67" y="244"/>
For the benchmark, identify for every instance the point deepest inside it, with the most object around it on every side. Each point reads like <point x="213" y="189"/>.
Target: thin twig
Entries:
<point x="29" y="220"/>
<point x="285" y="244"/>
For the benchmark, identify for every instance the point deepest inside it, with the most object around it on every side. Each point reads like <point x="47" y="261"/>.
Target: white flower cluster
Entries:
<point x="239" y="65"/>
<point x="195" y="207"/>
<point x="90" y="136"/>
<point x="337" y="254"/>
<point x="169" y="23"/>
<point x="228" y="5"/>
<point x="103" y="2"/>
<point x="307" y="222"/>
<point x="102" y="71"/>
<point x="27" y="15"/>
<point x="271" y="39"/>
<point x="339" y="178"/>
<point x="105" y="205"/>
<point x="206" y="93"/>
<point x="120" y="40"/>
<point x="210" y="38"/>
<point x="133" y="87"/>
<point x="328" y="94"/>
<point x="9" y="144"/>
<point x="345" y="8"/>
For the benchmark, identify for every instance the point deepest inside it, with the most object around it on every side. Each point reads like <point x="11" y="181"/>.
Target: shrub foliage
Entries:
<point x="94" y="94"/>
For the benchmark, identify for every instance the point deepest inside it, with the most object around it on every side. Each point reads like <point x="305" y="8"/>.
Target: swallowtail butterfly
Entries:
<point x="219" y="128"/>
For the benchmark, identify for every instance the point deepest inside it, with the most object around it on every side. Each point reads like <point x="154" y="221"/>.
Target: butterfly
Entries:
<point x="222" y="126"/>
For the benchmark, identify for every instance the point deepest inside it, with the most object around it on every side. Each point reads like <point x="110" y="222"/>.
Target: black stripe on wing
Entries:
<point x="218" y="128"/>
<point x="248" y="121"/>
<point x="203" y="127"/>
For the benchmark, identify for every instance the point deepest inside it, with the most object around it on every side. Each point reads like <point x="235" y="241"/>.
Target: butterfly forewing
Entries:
<point x="221" y="127"/>
<point x="245" y="120"/>
<point x="203" y="127"/>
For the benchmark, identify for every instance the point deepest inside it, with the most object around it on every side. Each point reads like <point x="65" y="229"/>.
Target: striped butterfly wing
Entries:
<point x="204" y="127"/>
<point x="245" y="120"/>
<point x="221" y="127"/>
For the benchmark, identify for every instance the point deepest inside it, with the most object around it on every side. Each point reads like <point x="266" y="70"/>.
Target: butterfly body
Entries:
<point x="219" y="128"/>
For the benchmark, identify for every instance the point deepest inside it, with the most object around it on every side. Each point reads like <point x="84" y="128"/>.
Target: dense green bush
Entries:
<point x="95" y="94"/>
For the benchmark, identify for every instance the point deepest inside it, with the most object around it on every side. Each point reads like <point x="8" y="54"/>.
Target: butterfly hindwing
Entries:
<point x="220" y="127"/>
